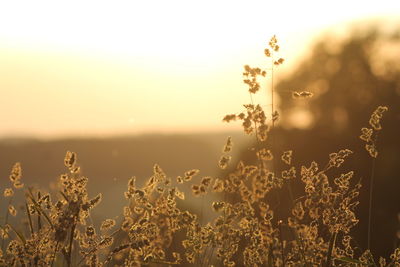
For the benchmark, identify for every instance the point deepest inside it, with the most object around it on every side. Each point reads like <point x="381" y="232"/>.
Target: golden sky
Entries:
<point x="116" y="67"/>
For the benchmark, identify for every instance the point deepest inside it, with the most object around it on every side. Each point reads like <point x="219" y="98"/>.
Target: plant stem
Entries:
<point x="210" y="256"/>
<point x="272" y="109"/>
<point x="71" y="239"/>
<point x="29" y="218"/>
<point x="54" y="255"/>
<point x="6" y="221"/>
<point x="39" y="222"/>
<point x="281" y="239"/>
<point x="330" y="249"/>
<point x="272" y="89"/>
<point x="371" y="186"/>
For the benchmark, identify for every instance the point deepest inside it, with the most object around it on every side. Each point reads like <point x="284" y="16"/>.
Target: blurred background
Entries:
<point x="132" y="83"/>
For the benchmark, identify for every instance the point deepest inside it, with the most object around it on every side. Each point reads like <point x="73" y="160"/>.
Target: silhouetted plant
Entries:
<point x="316" y="230"/>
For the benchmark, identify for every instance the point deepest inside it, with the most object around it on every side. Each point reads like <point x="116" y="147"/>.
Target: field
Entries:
<point x="275" y="195"/>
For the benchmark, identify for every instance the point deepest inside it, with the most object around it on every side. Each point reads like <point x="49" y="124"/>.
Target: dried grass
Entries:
<point x="316" y="231"/>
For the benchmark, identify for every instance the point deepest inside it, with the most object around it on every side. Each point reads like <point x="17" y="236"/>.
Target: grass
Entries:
<point x="247" y="230"/>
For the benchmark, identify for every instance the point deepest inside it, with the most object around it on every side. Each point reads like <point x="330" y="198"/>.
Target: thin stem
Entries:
<point x="211" y="255"/>
<point x="95" y="248"/>
<point x="302" y="246"/>
<point x="281" y="239"/>
<point x="201" y="210"/>
<point x="203" y="259"/>
<point x="261" y="164"/>
<point x="272" y="89"/>
<point x="271" y="255"/>
<point x="272" y="109"/>
<point x="54" y="255"/>
<point x="201" y="223"/>
<point x="371" y="186"/>
<point x="39" y="222"/>
<point x="330" y="250"/>
<point x="71" y="239"/>
<point x="6" y="221"/>
<point x="255" y="122"/>
<point x="290" y="191"/>
<point x="29" y="218"/>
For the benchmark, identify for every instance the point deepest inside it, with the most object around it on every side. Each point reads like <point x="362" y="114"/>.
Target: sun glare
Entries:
<point x="131" y="59"/>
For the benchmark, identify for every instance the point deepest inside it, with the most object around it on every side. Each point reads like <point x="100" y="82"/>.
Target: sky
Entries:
<point x="99" y="68"/>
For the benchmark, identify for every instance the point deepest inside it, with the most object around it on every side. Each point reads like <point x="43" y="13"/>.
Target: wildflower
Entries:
<point x="262" y="131"/>
<point x="180" y="194"/>
<point x="196" y="190"/>
<point x="275" y="116"/>
<point x="223" y="162"/>
<point x="229" y="263"/>
<point x="371" y="148"/>
<point x="160" y="189"/>
<point x="289" y="174"/>
<point x="127" y="223"/>
<point x="279" y="61"/>
<point x="138" y="210"/>
<point x="202" y="189"/>
<point x="265" y="154"/>
<point x="382" y="262"/>
<point x="218" y="185"/>
<point x="179" y="179"/>
<point x="228" y="145"/>
<point x="206" y="181"/>
<point x="190" y="257"/>
<point x="70" y="159"/>
<point x="8" y="192"/>
<point x="366" y="134"/>
<point x="177" y="257"/>
<point x="303" y="94"/>
<point x="106" y="242"/>
<point x="230" y="117"/>
<point x="376" y="117"/>
<point x="189" y="174"/>
<point x="343" y="181"/>
<point x="93" y="202"/>
<point x="314" y="213"/>
<point x="16" y="172"/>
<point x="12" y="210"/>
<point x="218" y="206"/>
<point x="248" y="129"/>
<point x="336" y="159"/>
<point x="287" y="157"/>
<point x="18" y="184"/>
<point x="250" y="78"/>
<point x="249" y="170"/>
<point x="298" y="210"/>
<point x="395" y="256"/>
<point x="273" y="42"/>
<point x="107" y="224"/>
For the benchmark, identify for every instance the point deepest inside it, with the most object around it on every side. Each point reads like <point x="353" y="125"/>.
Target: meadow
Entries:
<point x="264" y="209"/>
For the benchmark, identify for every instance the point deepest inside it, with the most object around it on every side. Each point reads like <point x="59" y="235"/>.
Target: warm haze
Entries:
<point x="99" y="68"/>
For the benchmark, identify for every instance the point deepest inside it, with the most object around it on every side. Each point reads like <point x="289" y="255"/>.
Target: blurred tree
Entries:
<point x="349" y="78"/>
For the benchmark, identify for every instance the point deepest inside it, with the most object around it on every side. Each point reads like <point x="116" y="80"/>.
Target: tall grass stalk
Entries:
<point x="371" y="187"/>
<point x="247" y="231"/>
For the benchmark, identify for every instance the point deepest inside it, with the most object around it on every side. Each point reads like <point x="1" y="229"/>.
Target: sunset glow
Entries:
<point x="102" y="67"/>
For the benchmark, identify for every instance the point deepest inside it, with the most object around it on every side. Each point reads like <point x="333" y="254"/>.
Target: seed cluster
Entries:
<point x="370" y="135"/>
